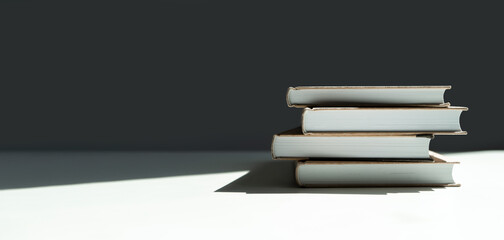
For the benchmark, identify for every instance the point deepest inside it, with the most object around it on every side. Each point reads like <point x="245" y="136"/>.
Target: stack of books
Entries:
<point x="367" y="136"/>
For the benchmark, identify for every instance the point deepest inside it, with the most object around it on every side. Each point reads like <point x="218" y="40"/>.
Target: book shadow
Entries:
<point x="277" y="177"/>
<point x="51" y="168"/>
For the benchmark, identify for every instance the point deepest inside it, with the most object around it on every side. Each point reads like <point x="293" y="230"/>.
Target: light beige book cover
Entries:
<point x="312" y="96"/>
<point x="436" y="173"/>
<point x="294" y="145"/>
<point x="400" y="120"/>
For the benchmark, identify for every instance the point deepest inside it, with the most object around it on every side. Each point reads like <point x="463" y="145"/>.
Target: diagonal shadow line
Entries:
<point x="278" y="177"/>
<point x="38" y="168"/>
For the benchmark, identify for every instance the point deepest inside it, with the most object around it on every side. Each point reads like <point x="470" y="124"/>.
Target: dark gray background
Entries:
<point x="212" y="75"/>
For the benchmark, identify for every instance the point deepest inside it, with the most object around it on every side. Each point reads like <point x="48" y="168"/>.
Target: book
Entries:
<point x="293" y="144"/>
<point x="437" y="173"/>
<point x="312" y="96"/>
<point x="391" y="119"/>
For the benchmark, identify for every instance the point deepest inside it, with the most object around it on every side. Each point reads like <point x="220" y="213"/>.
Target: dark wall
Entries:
<point x="212" y="75"/>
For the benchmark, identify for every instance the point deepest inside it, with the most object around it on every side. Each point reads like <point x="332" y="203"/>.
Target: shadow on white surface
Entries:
<point x="278" y="177"/>
<point x="36" y="169"/>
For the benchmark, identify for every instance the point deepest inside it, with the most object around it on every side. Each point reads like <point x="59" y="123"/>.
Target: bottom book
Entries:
<point x="437" y="173"/>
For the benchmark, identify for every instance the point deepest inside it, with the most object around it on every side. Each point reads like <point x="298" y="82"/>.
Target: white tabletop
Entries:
<point x="232" y="195"/>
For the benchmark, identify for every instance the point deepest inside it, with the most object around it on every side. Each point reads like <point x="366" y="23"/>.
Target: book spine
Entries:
<point x="289" y="104"/>
<point x="296" y="173"/>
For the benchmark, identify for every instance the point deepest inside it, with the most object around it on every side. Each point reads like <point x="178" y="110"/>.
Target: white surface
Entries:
<point x="369" y="120"/>
<point x="188" y="206"/>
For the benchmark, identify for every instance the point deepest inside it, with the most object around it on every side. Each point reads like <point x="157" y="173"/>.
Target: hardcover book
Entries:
<point x="312" y="96"/>
<point x="437" y="173"/>
<point x="293" y="144"/>
<point x="374" y="119"/>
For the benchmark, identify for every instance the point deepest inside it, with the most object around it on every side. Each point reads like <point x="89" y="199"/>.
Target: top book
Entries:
<point x="334" y="96"/>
